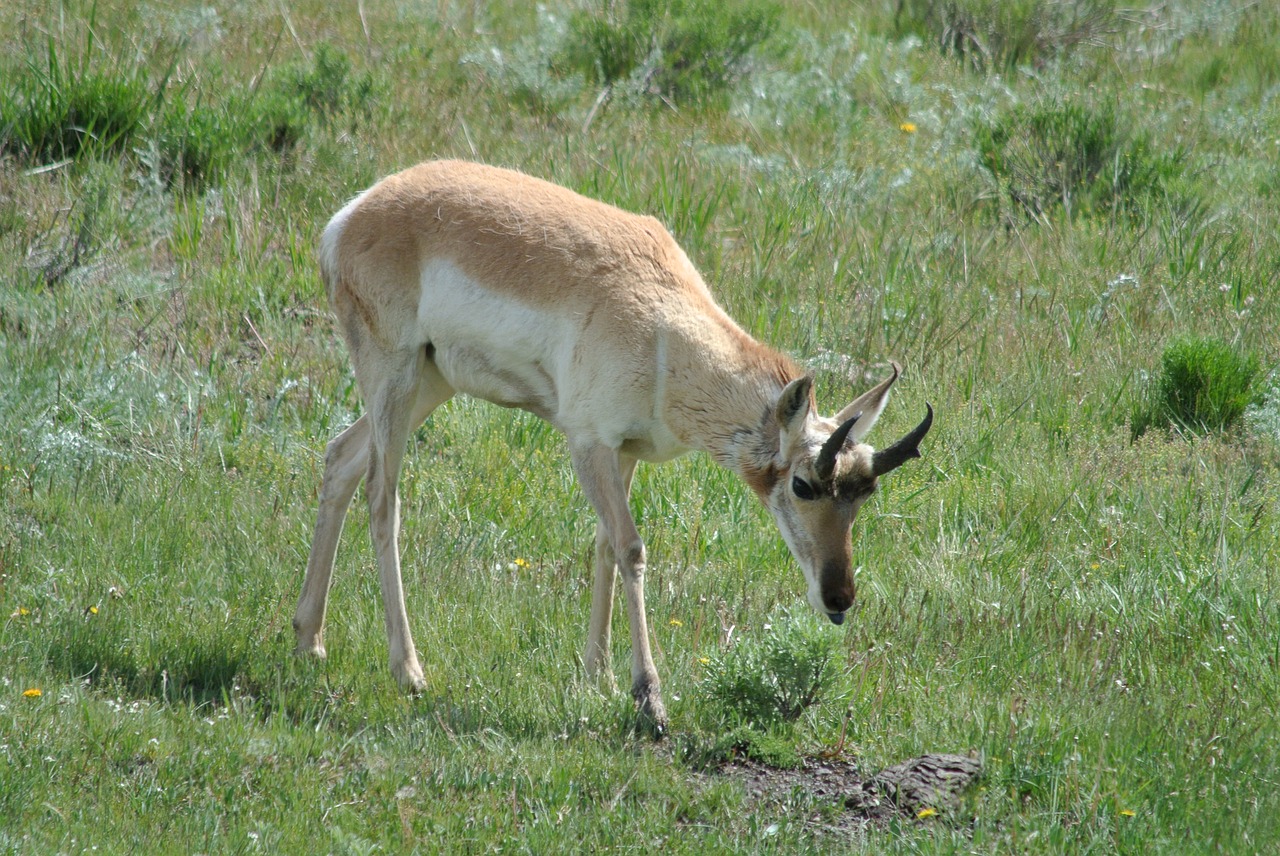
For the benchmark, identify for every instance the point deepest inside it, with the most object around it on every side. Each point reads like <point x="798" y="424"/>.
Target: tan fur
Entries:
<point x="457" y="277"/>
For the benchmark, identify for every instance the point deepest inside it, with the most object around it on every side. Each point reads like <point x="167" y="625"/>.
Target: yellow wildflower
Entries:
<point x="675" y="622"/>
<point x="19" y="612"/>
<point x="704" y="660"/>
<point x="34" y="692"/>
<point x="522" y="562"/>
<point x="907" y="127"/>
<point x="926" y="813"/>
<point x="1127" y="812"/>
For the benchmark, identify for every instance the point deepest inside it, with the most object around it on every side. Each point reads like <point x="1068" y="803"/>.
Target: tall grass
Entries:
<point x="1093" y="613"/>
<point x="62" y="107"/>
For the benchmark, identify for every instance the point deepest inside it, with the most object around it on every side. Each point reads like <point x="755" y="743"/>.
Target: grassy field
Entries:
<point x="1063" y="219"/>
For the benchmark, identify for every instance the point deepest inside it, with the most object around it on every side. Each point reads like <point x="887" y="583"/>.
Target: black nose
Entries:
<point x="836" y="617"/>
<point x="838" y="590"/>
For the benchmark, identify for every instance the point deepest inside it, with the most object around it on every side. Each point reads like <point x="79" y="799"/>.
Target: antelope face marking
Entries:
<point x="815" y="516"/>
<point x="825" y="475"/>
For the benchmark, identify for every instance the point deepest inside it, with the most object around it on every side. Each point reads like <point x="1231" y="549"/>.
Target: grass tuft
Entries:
<point x="1204" y="386"/>
<point x="329" y="90"/>
<point x="65" y="108"/>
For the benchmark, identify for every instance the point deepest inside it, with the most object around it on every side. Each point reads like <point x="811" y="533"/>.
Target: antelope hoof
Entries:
<point x="652" y="713"/>
<point x="599" y="671"/>
<point x="410" y="678"/>
<point x="310" y="648"/>
<point x="604" y="681"/>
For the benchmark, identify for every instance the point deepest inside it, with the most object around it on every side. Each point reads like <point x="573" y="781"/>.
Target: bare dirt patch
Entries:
<point x="838" y="796"/>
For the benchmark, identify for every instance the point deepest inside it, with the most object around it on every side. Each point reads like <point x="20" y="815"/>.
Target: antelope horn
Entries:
<point x="891" y="457"/>
<point x="826" y="463"/>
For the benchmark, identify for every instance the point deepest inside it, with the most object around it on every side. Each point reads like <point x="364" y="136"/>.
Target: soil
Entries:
<point x="836" y="795"/>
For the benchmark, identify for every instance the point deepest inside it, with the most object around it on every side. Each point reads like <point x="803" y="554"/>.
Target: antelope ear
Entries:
<point x="870" y="404"/>
<point x="793" y="408"/>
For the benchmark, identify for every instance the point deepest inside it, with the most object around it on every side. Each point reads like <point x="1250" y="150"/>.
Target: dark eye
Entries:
<point x="802" y="489"/>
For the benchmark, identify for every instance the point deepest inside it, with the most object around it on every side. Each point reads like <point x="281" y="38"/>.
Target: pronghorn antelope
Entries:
<point x="456" y="277"/>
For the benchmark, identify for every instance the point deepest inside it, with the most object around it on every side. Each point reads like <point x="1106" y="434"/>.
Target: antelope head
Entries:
<point x="824" y="473"/>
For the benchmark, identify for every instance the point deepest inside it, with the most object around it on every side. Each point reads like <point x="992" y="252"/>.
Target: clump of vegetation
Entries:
<point x="678" y="48"/>
<point x="328" y="89"/>
<point x="1074" y="156"/>
<point x="192" y="145"/>
<point x="1263" y="417"/>
<point x="1204" y="386"/>
<point x="774" y="677"/>
<point x="70" y="107"/>
<point x="767" y="747"/>
<point x="992" y="35"/>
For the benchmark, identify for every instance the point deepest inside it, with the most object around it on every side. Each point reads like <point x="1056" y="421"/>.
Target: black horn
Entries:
<point x="891" y="457"/>
<point x="826" y="463"/>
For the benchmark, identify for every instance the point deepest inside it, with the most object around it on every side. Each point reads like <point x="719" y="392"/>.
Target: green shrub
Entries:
<point x="1204" y="386"/>
<point x="194" y="145"/>
<point x="679" y="48"/>
<point x="776" y="676"/>
<point x="328" y="89"/>
<point x="272" y="121"/>
<point x="994" y="35"/>
<point x="69" y="108"/>
<point x="1073" y="156"/>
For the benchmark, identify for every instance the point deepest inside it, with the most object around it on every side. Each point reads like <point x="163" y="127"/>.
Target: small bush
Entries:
<point x="1204" y="386"/>
<point x="1073" y="156"/>
<point x="679" y="48"/>
<point x="775" y="677"/>
<point x="70" y="108"/>
<point x="194" y="145"/>
<point x="329" y="90"/>
<point x="994" y="35"/>
<point x="273" y="121"/>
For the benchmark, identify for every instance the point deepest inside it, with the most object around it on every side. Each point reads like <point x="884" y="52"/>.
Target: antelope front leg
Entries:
<point x="645" y="687"/>
<point x="605" y="477"/>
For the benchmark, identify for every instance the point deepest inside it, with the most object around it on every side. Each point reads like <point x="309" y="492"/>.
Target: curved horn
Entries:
<point x="826" y="463"/>
<point x="891" y="457"/>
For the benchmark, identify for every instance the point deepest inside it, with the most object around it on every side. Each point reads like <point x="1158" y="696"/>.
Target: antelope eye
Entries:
<point x="802" y="489"/>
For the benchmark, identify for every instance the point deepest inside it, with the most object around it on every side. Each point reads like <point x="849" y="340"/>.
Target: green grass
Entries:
<point x="1096" y="615"/>
<point x="1203" y="385"/>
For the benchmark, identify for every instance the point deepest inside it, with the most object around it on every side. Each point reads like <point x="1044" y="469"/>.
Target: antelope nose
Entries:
<point x="838" y="590"/>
